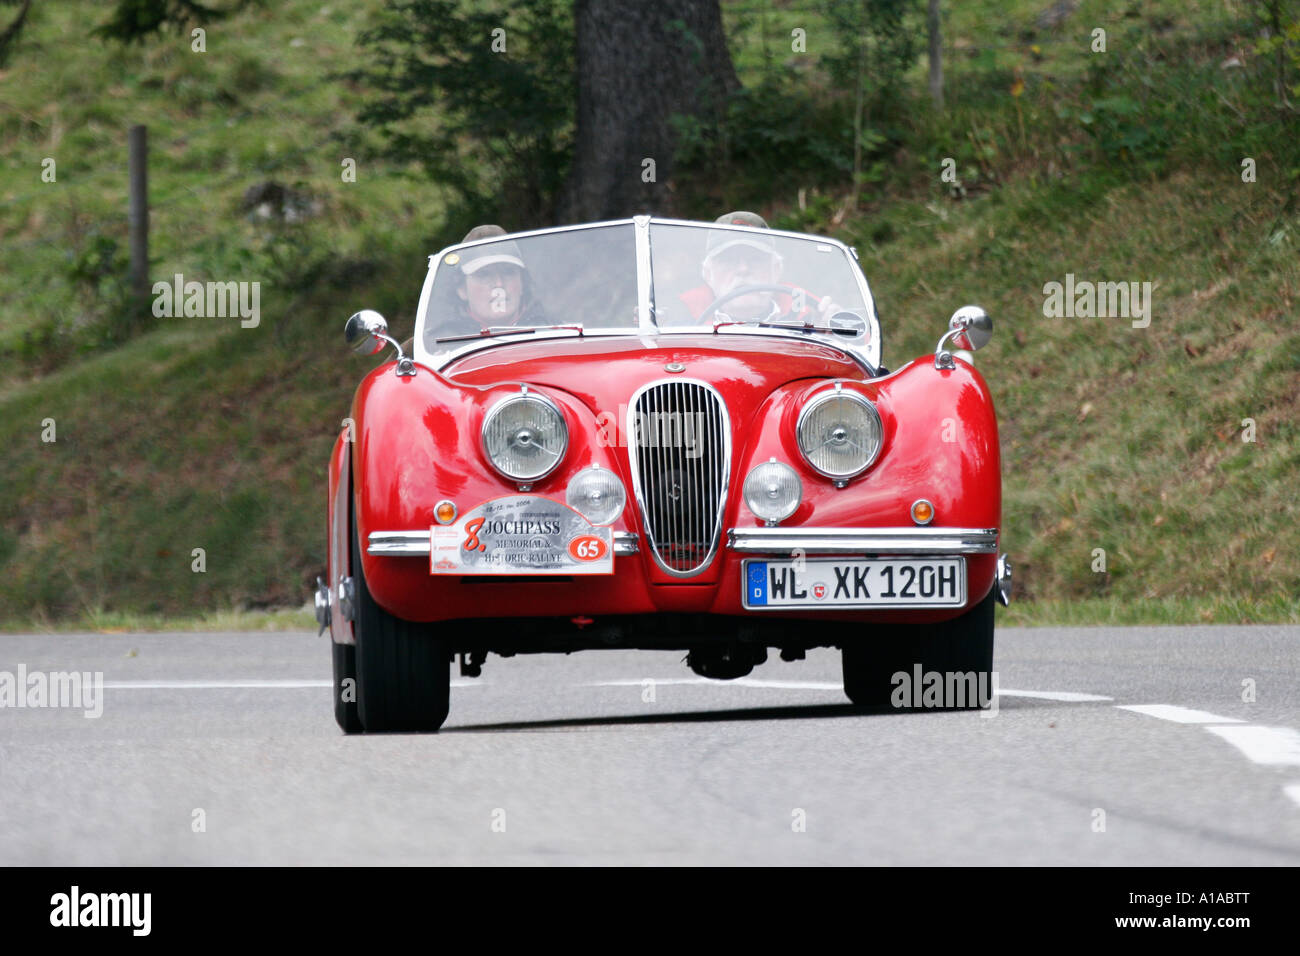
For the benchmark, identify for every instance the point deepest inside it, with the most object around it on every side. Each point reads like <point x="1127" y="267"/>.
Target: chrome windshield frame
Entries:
<point x="868" y="354"/>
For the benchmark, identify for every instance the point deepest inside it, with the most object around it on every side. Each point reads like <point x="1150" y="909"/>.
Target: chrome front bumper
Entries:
<point x="415" y="544"/>
<point x="922" y="541"/>
<point x="780" y="541"/>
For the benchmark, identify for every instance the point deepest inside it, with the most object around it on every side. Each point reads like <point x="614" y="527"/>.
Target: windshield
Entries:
<point x="583" y="280"/>
<point x="568" y="277"/>
<point x="707" y="275"/>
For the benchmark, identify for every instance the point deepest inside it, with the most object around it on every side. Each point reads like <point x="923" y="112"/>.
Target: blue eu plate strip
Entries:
<point x="757" y="582"/>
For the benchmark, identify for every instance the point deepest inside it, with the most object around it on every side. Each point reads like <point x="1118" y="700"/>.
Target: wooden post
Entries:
<point x="138" y="214"/>
<point x="936" y="55"/>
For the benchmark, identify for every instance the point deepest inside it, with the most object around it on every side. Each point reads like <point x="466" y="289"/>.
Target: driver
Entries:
<point x="733" y="260"/>
<point x="493" y="288"/>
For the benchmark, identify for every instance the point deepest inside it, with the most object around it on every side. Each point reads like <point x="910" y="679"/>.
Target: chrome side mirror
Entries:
<point x="970" y="328"/>
<point x="367" y="333"/>
<point x="974" y="327"/>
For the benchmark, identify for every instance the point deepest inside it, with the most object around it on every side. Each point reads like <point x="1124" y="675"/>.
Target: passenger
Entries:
<point x="493" y="290"/>
<point x="734" y="260"/>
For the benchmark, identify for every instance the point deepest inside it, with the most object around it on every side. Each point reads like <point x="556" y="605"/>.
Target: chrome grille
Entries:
<point x="680" y="446"/>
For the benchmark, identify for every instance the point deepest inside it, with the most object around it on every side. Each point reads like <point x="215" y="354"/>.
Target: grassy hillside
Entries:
<point x="201" y="434"/>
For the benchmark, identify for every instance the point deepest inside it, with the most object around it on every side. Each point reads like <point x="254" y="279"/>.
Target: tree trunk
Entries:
<point x="936" y="55"/>
<point x="639" y="62"/>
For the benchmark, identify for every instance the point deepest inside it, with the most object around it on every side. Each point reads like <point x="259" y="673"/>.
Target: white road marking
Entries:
<point x="1292" y="790"/>
<point x="788" y="684"/>
<point x="1068" y="696"/>
<point x="738" y="682"/>
<point x="1274" y="746"/>
<point x="208" y="684"/>
<point x="1179" y="715"/>
<point x="231" y="684"/>
<point x="657" y="681"/>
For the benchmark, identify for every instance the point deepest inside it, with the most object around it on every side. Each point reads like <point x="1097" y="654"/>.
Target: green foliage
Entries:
<point x="493" y="126"/>
<point x="779" y="135"/>
<point x="137" y="20"/>
<point x="1279" y="44"/>
<point x="99" y="273"/>
<point x="877" y="41"/>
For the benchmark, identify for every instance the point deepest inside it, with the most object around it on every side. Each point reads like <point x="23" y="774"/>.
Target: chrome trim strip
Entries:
<point x="938" y="541"/>
<point x="644" y="289"/>
<point x="415" y="544"/>
<point x="1004" y="580"/>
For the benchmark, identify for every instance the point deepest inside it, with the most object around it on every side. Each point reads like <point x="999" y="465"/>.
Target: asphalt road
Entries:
<point x="222" y="748"/>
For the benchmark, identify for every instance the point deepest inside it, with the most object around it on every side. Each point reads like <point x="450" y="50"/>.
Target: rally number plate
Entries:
<point x="521" y="534"/>
<point x="854" y="583"/>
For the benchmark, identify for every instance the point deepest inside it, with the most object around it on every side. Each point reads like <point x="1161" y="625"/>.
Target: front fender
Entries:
<point x="418" y="444"/>
<point x="940" y="443"/>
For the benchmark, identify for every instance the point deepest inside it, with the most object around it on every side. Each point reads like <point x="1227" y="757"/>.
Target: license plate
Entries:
<point x="521" y="534"/>
<point x="855" y="582"/>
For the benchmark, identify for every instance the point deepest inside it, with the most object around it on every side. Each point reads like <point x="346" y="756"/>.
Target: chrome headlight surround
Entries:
<point x="870" y="421"/>
<point x="487" y="437"/>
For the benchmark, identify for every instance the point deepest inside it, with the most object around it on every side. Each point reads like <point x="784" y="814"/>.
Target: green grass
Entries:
<point x="1114" y="612"/>
<point x="200" y="434"/>
<point x="256" y="106"/>
<point x="123" y="622"/>
<point x="1086" y="612"/>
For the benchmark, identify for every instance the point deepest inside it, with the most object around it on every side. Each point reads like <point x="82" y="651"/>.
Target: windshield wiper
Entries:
<point x="788" y="326"/>
<point x="495" y="330"/>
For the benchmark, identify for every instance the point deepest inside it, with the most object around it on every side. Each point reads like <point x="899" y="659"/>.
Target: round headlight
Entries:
<point x="524" y="437"/>
<point x="773" y="491"/>
<point x="839" y="433"/>
<point x="596" y="494"/>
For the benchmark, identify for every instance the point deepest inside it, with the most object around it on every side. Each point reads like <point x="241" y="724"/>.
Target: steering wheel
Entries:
<point x="794" y="292"/>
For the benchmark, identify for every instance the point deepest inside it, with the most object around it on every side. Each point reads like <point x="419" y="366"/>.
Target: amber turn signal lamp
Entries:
<point x="922" y="511"/>
<point x="445" y="512"/>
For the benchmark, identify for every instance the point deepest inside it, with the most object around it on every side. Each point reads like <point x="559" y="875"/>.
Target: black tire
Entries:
<point x="345" y="693"/>
<point x="403" y="670"/>
<point x="960" y="646"/>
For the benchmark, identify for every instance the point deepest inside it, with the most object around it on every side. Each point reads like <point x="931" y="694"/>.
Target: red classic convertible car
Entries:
<point x="657" y="434"/>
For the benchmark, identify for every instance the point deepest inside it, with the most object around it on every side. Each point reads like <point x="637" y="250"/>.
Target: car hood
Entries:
<point x="604" y="372"/>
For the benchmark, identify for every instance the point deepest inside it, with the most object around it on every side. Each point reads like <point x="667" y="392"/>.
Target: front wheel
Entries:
<point x="403" y="670"/>
<point x="890" y="667"/>
<point x="345" y="688"/>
